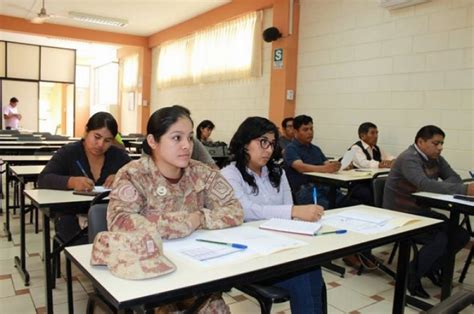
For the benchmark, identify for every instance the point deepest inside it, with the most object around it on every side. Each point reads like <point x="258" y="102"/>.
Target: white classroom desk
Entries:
<point x="26" y="159"/>
<point x="27" y="149"/>
<point x="23" y="175"/>
<point x="349" y="175"/>
<point x="192" y="279"/>
<point x="455" y="208"/>
<point x="344" y="178"/>
<point x="49" y="203"/>
<point x="34" y="143"/>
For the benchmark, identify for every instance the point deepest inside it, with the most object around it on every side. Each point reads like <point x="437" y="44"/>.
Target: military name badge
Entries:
<point x="161" y="191"/>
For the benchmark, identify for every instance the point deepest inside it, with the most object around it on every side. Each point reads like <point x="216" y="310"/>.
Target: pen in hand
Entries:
<point x="341" y="231"/>
<point x="78" y="163"/>
<point x="315" y="196"/>
<point x="234" y="245"/>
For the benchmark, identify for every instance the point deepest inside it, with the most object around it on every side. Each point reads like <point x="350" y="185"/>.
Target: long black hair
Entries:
<point x="100" y="120"/>
<point x="161" y="120"/>
<point x="250" y="129"/>
<point x="204" y="125"/>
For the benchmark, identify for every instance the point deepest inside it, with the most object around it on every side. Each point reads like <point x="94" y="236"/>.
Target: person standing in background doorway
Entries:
<point x="11" y="115"/>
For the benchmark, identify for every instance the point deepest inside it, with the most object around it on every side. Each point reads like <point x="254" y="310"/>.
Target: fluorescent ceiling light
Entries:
<point x="97" y="19"/>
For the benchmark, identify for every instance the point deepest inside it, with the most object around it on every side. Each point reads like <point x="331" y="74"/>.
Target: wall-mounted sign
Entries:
<point x="278" y="58"/>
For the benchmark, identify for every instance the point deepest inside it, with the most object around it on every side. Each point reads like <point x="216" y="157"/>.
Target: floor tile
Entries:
<point x="59" y="293"/>
<point x="244" y="307"/>
<point x="6" y="288"/>
<point x="17" y="304"/>
<point x="346" y="299"/>
<point x="367" y="284"/>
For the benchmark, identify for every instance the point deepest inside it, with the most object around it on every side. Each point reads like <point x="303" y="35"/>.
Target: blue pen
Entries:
<point x="315" y="196"/>
<point x="340" y="231"/>
<point x="78" y="163"/>
<point x="235" y="245"/>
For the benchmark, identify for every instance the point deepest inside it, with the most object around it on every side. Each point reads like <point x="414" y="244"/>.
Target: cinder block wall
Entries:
<point x="400" y="69"/>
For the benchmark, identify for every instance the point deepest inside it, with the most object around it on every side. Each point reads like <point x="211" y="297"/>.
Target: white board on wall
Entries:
<point x="57" y="64"/>
<point x="27" y="94"/>
<point x="2" y="58"/>
<point x="23" y="61"/>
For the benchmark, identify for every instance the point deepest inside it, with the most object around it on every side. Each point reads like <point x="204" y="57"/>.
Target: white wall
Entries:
<point x="226" y="104"/>
<point x="400" y="69"/>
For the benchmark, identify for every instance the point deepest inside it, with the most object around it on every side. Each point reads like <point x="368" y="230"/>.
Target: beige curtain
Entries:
<point x="130" y="73"/>
<point x="226" y="51"/>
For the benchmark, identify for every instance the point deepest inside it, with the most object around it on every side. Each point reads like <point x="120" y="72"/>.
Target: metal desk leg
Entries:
<point x="332" y="197"/>
<point x="7" y="202"/>
<point x="70" y="301"/>
<point x="400" y="298"/>
<point x="47" y="265"/>
<point x="448" y="268"/>
<point x="20" y="263"/>
<point x="402" y="276"/>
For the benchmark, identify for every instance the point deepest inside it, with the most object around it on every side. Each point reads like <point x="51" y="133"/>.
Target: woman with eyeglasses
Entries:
<point x="262" y="188"/>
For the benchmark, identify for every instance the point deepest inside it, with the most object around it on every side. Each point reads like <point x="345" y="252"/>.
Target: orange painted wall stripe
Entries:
<point x="217" y="15"/>
<point x="24" y="26"/>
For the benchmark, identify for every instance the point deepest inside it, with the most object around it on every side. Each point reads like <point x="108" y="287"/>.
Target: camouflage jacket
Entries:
<point x="142" y="198"/>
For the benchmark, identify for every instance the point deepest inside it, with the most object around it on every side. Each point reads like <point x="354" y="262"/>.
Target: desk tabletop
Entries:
<point x="13" y="158"/>
<point x="350" y="175"/>
<point x="448" y="198"/>
<point x="29" y="147"/>
<point x="36" y="143"/>
<point x="48" y="197"/>
<point x="191" y="274"/>
<point x="26" y="170"/>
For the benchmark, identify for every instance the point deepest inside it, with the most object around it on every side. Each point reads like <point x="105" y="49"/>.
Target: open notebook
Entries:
<point x="292" y="226"/>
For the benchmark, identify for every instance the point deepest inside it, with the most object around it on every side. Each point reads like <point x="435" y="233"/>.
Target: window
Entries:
<point x="229" y="50"/>
<point x="106" y="83"/>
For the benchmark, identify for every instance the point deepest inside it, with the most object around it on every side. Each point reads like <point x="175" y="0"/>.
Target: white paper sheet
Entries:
<point x="259" y="242"/>
<point x="364" y="222"/>
<point x="347" y="159"/>
<point x="100" y="189"/>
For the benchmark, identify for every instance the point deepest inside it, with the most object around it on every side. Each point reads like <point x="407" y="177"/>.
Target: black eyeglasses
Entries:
<point x="289" y="126"/>
<point x="265" y="143"/>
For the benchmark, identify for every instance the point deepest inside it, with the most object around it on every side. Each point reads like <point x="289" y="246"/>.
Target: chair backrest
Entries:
<point x="97" y="220"/>
<point x="378" y="185"/>
<point x="97" y="216"/>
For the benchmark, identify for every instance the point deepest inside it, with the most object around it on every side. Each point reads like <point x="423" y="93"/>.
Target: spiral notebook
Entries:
<point x="291" y="226"/>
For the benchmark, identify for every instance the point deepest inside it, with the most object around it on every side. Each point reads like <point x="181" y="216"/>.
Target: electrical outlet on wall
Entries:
<point x="290" y="94"/>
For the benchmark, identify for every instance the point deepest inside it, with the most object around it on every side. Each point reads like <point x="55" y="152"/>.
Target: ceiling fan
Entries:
<point x="42" y="15"/>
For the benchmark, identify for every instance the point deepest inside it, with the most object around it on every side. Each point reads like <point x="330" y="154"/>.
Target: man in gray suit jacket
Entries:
<point x="422" y="168"/>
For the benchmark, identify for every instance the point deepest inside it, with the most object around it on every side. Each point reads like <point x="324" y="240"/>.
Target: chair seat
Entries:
<point x="270" y="293"/>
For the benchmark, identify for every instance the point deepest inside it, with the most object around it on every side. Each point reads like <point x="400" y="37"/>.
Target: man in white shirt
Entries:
<point x="11" y="115"/>
<point x="366" y="152"/>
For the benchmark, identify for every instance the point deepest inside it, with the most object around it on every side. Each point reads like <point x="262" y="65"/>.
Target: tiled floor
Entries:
<point x="370" y="293"/>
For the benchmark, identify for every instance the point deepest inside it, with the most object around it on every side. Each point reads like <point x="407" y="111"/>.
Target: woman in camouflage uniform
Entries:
<point x="166" y="191"/>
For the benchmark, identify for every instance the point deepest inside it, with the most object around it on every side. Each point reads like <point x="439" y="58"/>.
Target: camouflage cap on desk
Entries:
<point x="131" y="255"/>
